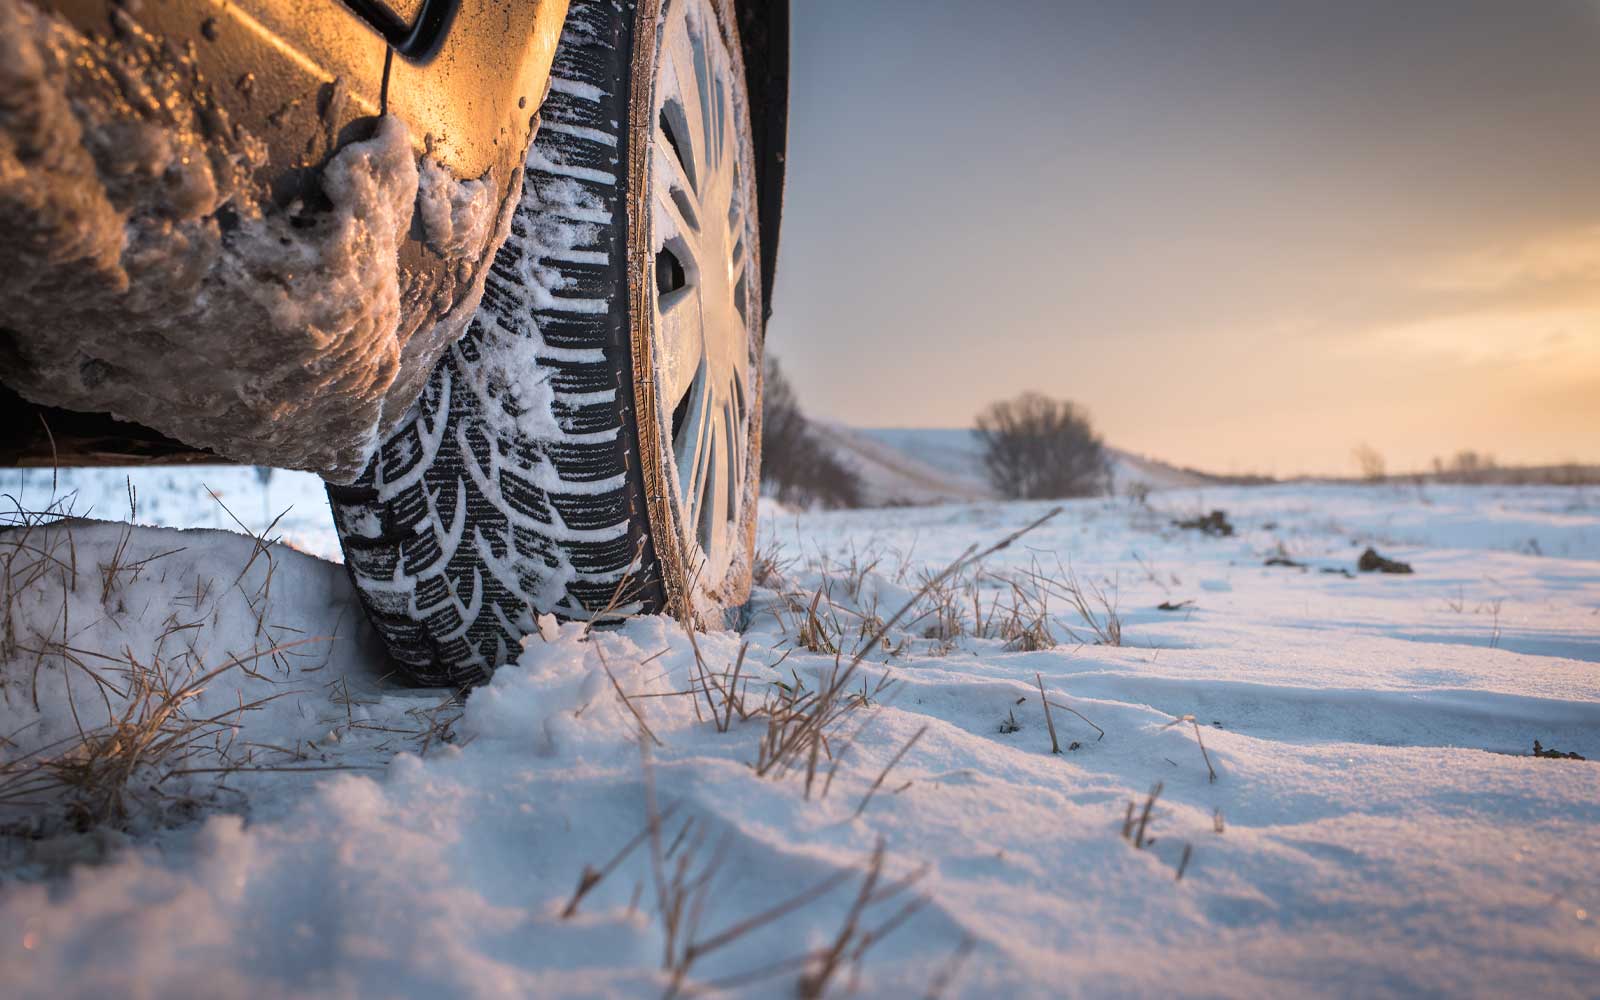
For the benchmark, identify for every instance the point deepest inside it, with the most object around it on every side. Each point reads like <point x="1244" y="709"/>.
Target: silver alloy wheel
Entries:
<point x="703" y="294"/>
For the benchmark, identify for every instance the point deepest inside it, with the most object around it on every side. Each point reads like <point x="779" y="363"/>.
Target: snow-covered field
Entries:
<point x="1376" y="826"/>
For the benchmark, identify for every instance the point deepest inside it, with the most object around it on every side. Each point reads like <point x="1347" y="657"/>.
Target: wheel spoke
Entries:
<point x="697" y="439"/>
<point x="678" y="181"/>
<point x="692" y="98"/>
<point x="681" y="330"/>
<point x="685" y="223"/>
<point x="673" y="146"/>
<point x="739" y="413"/>
<point x="718" y="479"/>
<point x="703" y="83"/>
<point x="721" y="125"/>
<point x="736" y="270"/>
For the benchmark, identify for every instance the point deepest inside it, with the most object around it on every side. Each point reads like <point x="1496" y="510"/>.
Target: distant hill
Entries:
<point x="945" y="465"/>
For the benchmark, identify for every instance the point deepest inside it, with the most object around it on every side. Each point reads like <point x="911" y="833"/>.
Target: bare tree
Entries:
<point x="795" y="466"/>
<point x="1466" y="466"/>
<point x="1037" y="448"/>
<point x="1370" y="461"/>
<point x="1470" y="466"/>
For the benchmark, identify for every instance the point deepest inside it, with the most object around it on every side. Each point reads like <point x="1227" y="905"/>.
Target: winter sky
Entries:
<point x="1247" y="235"/>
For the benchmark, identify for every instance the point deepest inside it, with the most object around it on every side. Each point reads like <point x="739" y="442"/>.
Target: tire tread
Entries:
<point x="475" y="536"/>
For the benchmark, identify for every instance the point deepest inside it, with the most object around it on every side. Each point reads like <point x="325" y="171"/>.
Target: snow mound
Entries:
<point x="157" y="649"/>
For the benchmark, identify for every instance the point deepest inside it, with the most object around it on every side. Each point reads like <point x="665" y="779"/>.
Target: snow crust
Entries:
<point x="1384" y="828"/>
<point x="456" y="215"/>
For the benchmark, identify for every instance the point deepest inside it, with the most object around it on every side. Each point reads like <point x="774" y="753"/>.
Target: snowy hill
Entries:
<point x="917" y="466"/>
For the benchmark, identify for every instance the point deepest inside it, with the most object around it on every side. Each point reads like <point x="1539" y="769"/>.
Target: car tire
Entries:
<point x="591" y="446"/>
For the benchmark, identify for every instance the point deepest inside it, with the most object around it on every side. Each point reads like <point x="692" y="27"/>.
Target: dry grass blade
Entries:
<point x="638" y="716"/>
<point x="1183" y="862"/>
<point x="620" y="606"/>
<point x="1134" y="830"/>
<point x="852" y="941"/>
<point x="240" y="769"/>
<point x="800" y="721"/>
<point x="699" y="949"/>
<point x="849" y="945"/>
<point x="1085" y="718"/>
<point x="1180" y="720"/>
<point x="887" y="768"/>
<point x="1055" y="745"/>
<point x="591" y="877"/>
<point x="731" y="699"/>
<point x="951" y="968"/>
<point x="1211" y="771"/>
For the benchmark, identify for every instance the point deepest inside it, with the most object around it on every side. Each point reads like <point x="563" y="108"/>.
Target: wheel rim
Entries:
<point x="701" y="295"/>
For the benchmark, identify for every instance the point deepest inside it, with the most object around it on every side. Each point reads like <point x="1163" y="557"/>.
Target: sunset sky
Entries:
<point x="1247" y="236"/>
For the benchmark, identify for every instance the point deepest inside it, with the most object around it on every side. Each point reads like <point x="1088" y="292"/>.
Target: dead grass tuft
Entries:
<point x="1019" y="614"/>
<point x="1095" y="606"/>
<point x="769" y="568"/>
<point x="142" y="730"/>
<point x="93" y="773"/>
<point x="803" y="721"/>
<point x="818" y="633"/>
<point x="1136" y="825"/>
<point x="684" y="872"/>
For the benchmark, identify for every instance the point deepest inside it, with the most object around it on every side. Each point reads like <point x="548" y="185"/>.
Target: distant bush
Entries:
<point x="1371" y="463"/>
<point x="1466" y="466"/>
<point x="1478" y="467"/>
<point x="796" y="467"/>
<point x="1037" y="448"/>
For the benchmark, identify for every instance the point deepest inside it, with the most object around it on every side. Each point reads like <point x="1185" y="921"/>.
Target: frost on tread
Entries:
<point x="510" y="488"/>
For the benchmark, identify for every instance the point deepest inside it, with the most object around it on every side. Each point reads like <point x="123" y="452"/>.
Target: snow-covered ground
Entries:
<point x="1377" y="824"/>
